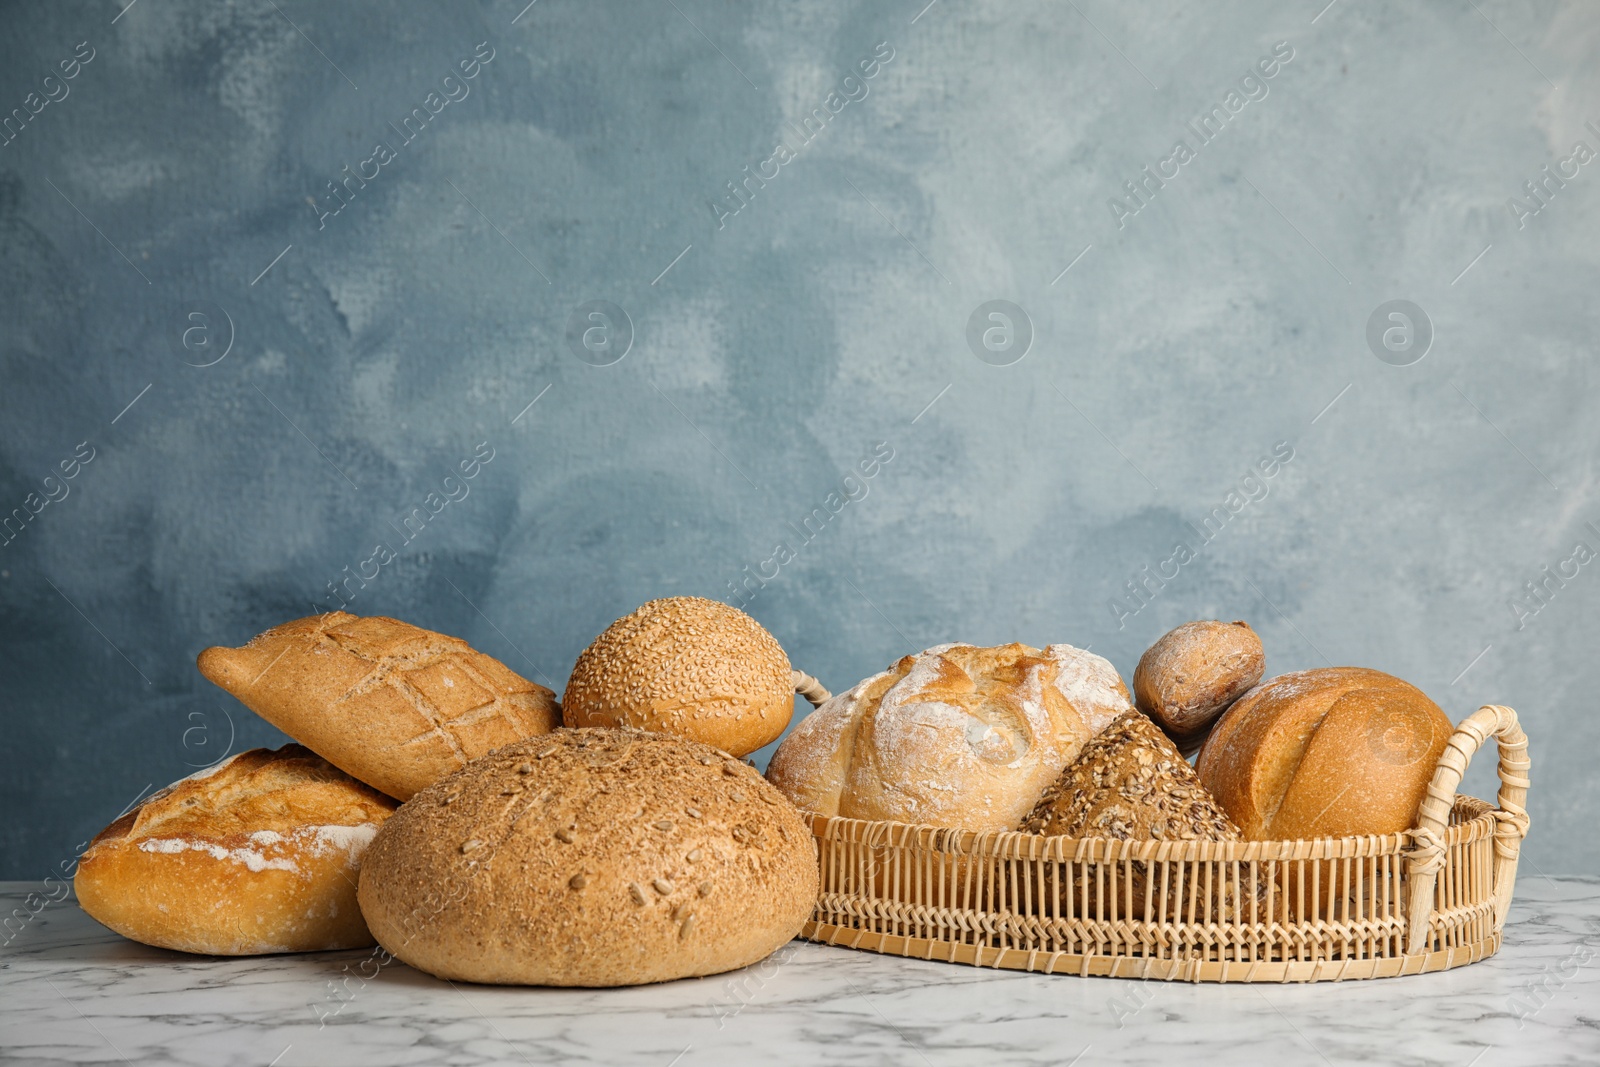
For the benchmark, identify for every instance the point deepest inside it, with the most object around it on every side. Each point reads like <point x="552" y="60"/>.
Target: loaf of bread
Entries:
<point x="392" y="704"/>
<point x="687" y="667"/>
<point x="956" y="736"/>
<point x="1332" y="752"/>
<point x="591" y="857"/>
<point x="1130" y="784"/>
<point x="1192" y="674"/>
<point x="257" y="854"/>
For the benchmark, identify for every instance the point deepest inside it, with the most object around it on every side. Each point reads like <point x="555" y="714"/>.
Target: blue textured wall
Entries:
<point x="173" y="195"/>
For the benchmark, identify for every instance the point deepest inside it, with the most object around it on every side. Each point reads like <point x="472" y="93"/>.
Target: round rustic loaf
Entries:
<point x="1193" y="673"/>
<point x="257" y="854"/>
<point x="957" y="736"/>
<point x="687" y="667"/>
<point x="1325" y="753"/>
<point x="591" y="857"/>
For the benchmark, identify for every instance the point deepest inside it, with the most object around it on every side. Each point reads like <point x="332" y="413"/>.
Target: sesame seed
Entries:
<point x="694" y="856"/>
<point x="636" y="891"/>
<point x="662" y="886"/>
<point x="686" y="929"/>
<point x="663" y="824"/>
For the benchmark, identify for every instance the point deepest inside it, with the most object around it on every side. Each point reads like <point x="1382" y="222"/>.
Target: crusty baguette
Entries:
<point x="591" y="857"/>
<point x="688" y="667"/>
<point x="389" y="703"/>
<point x="258" y="854"/>
<point x="957" y="736"/>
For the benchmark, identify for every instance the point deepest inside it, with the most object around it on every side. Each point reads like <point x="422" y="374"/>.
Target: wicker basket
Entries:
<point x="1236" y="911"/>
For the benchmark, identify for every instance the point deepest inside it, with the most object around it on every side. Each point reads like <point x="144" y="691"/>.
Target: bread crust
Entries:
<point x="256" y="855"/>
<point x="958" y="735"/>
<point x="391" y="704"/>
<point x="688" y="667"/>
<point x="1325" y="753"/>
<point x="1193" y="673"/>
<point x="591" y="857"/>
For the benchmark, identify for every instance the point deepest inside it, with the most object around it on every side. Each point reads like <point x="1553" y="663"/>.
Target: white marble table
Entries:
<point x="72" y="992"/>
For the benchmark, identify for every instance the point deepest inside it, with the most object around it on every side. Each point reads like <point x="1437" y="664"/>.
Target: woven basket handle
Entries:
<point x="1427" y="856"/>
<point x="810" y="688"/>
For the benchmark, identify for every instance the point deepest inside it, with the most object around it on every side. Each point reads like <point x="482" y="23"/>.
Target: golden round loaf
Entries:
<point x="1332" y="752"/>
<point x="687" y="667"/>
<point x="257" y="854"/>
<point x="591" y="857"/>
<point x="1193" y="673"/>
<point x="957" y="736"/>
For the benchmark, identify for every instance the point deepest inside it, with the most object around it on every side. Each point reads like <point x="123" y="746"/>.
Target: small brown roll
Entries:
<point x="258" y="854"/>
<point x="1189" y="677"/>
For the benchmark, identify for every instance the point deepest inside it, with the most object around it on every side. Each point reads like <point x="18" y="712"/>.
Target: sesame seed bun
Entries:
<point x="688" y="667"/>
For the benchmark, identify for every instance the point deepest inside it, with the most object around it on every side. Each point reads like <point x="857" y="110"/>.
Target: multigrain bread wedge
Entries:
<point x="592" y="857"/>
<point x="688" y="667"/>
<point x="1131" y="784"/>
<point x="392" y="704"/>
<point x="257" y="854"/>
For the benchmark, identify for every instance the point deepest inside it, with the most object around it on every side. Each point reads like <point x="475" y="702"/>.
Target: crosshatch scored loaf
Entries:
<point x="591" y="857"/>
<point x="389" y="703"/>
<point x="688" y="667"/>
<point x="958" y="736"/>
<point x="257" y="854"/>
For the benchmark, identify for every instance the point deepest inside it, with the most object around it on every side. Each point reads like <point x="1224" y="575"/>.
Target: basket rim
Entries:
<point x="1472" y="820"/>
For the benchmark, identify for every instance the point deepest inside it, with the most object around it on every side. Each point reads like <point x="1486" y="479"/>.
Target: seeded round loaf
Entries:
<point x="1192" y="674"/>
<point x="687" y="667"/>
<point x="591" y="857"/>
<point x="255" y="855"/>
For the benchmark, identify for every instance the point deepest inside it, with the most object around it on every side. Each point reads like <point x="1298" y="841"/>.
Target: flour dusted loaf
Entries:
<point x="591" y="857"/>
<point x="258" y="854"/>
<point x="687" y="667"/>
<point x="1325" y="753"/>
<point x="1191" y="675"/>
<point x="392" y="704"/>
<point x="958" y="735"/>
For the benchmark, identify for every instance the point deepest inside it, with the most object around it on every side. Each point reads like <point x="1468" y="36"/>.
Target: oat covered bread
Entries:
<point x="1330" y="752"/>
<point x="258" y="854"/>
<point x="1193" y="674"/>
<point x="392" y="704"/>
<point x="958" y="735"/>
<point x="688" y="667"/>
<point x="591" y="857"/>
<point x="1130" y="784"/>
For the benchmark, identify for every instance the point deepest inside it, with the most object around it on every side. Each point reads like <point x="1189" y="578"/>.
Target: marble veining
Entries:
<point x="73" y="992"/>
